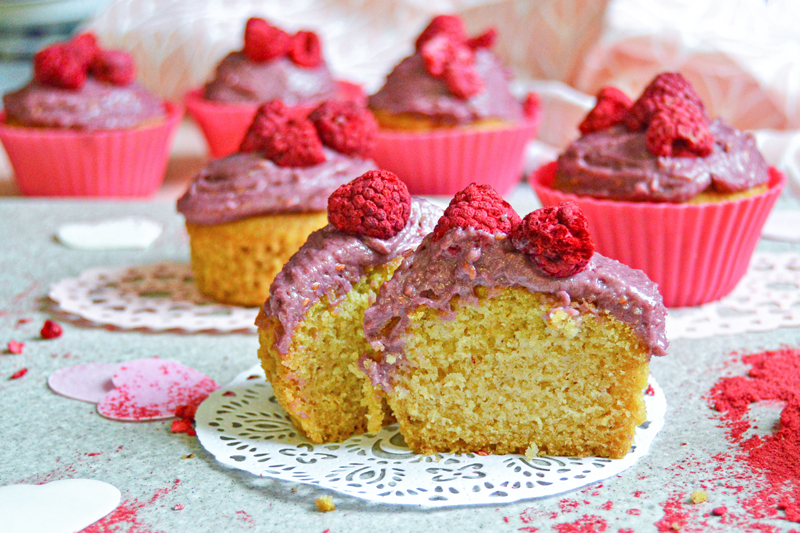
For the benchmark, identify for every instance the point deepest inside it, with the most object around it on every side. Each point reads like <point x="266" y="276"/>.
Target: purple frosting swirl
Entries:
<point x="615" y="164"/>
<point x="96" y="106"/>
<point x="330" y="262"/>
<point x="238" y="79"/>
<point x="245" y="184"/>
<point x="463" y="259"/>
<point x="409" y="89"/>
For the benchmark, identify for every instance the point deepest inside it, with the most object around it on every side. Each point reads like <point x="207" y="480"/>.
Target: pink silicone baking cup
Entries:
<point x="225" y="125"/>
<point x="102" y="163"/>
<point x="697" y="253"/>
<point x="445" y="161"/>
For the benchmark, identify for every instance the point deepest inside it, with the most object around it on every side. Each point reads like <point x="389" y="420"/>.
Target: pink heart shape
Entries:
<point x="152" y="389"/>
<point x="88" y="382"/>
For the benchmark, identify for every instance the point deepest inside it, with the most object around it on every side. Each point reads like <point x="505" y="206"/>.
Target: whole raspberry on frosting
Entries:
<point x="284" y="139"/>
<point x="85" y="46"/>
<point x="346" y="127"/>
<point x="376" y="204"/>
<point x="113" y="66"/>
<point x="454" y="62"/>
<point x="484" y="40"/>
<point x="663" y="92"/>
<point x="60" y="66"/>
<point x="478" y="207"/>
<point x="263" y="41"/>
<point x="611" y="108"/>
<point x="450" y="25"/>
<point x="305" y="49"/>
<point x="681" y="131"/>
<point x="556" y="239"/>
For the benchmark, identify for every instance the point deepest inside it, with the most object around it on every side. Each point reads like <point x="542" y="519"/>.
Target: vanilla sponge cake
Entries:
<point x="477" y="349"/>
<point x="310" y="328"/>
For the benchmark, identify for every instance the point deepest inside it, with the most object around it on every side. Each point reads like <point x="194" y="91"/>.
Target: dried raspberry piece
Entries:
<point x="376" y="204"/>
<point x="15" y="347"/>
<point x="449" y="25"/>
<point x="454" y="62"/>
<point x="478" y="207"/>
<point x="51" y="330"/>
<point x="462" y="79"/>
<point x="19" y="373"/>
<point x="346" y="127"/>
<point x="296" y="144"/>
<point x="263" y="41"/>
<point x="531" y="105"/>
<point x="186" y="411"/>
<point x="113" y="66"/>
<point x="60" y="66"/>
<point x="85" y="46"/>
<point x="612" y="107"/>
<point x="556" y="238"/>
<point x="665" y="91"/>
<point x="681" y="131"/>
<point x="183" y="426"/>
<point x="305" y="49"/>
<point x="270" y="117"/>
<point x="484" y="40"/>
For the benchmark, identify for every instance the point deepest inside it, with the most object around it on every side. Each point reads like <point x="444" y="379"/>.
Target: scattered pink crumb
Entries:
<point x="15" y="347"/>
<point x="229" y="393"/>
<point x="607" y="506"/>
<point x="19" y="373"/>
<point x="178" y="507"/>
<point x="584" y="524"/>
<point x="719" y="511"/>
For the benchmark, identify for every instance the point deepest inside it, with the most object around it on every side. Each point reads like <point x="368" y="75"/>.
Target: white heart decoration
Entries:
<point x="62" y="506"/>
<point x="112" y="234"/>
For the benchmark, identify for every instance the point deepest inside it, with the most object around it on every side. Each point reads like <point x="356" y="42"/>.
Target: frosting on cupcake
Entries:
<point x="239" y="79"/>
<point x="96" y="106"/>
<point x="615" y="164"/>
<point x="331" y="261"/>
<point x="246" y="184"/>
<point x="410" y="89"/>
<point x="661" y="148"/>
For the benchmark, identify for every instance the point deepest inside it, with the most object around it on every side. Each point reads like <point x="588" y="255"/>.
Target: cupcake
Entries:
<point x="248" y="213"/>
<point x="501" y="335"/>
<point x="693" y="192"/>
<point x="448" y="116"/>
<point x="84" y="127"/>
<point x="310" y="328"/>
<point x="272" y="65"/>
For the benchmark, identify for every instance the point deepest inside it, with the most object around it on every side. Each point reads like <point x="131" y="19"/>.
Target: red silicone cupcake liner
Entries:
<point x="225" y="125"/>
<point x="103" y="163"/>
<point x="696" y="253"/>
<point x="443" y="162"/>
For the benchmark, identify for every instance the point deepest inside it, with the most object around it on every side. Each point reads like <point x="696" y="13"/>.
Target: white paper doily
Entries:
<point x="767" y="298"/>
<point x="251" y="431"/>
<point x="159" y="297"/>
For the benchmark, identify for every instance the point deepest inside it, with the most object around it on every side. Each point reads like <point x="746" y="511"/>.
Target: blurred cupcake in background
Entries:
<point x="666" y="189"/>
<point x="83" y="126"/>
<point x="448" y="117"/>
<point x="272" y="65"/>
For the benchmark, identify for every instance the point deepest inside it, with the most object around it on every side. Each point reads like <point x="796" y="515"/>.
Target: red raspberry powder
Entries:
<point x="556" y="238"/>
<point x="263" y="41"/>
<point x="611" y="108"/>
<point x="346" y="127"/>
<point x="376" y="204"/>
<point x="479" y="207"/>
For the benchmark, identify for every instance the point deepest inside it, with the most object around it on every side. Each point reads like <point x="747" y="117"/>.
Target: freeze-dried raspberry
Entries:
<point x="612" y="106"/>
<point x="450" y="25"/>
<point x="346" y="127"/>
<point x="454" y="62"/>
<point x="484" y="40"/>
<point x="478" y="207"/>
<point x="462" y="79"/>
<point x="665" y="91"/>
<point x="270" y="117"/>
<point x="15" y="347"/>
<point x="51" y="330"/>
<point x="556" y="238"/>
<point x="531" y="105"/>
<point x="296" y="144"/>
<point x="60" y="66"/>
<point x="681" y="131"/>
<point x="85" y="46"/>
<point x="376" y="204"/>
<point x="305" y="49"/>
<point x="263" y="41"/>
<point x="113" y="66"/>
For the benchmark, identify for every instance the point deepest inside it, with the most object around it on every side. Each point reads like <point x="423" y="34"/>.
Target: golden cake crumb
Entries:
<point x="532" y="451"/>
<point x="699" y="496"/>
<point x="325" y="504"/>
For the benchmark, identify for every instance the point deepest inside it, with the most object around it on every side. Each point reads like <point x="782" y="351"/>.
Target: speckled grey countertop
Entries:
<point x="46" y="437"/>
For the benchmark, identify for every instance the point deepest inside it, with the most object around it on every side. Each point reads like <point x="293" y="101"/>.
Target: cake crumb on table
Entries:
<point x="325" y="504"/>
<point x="699" y="496"/>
